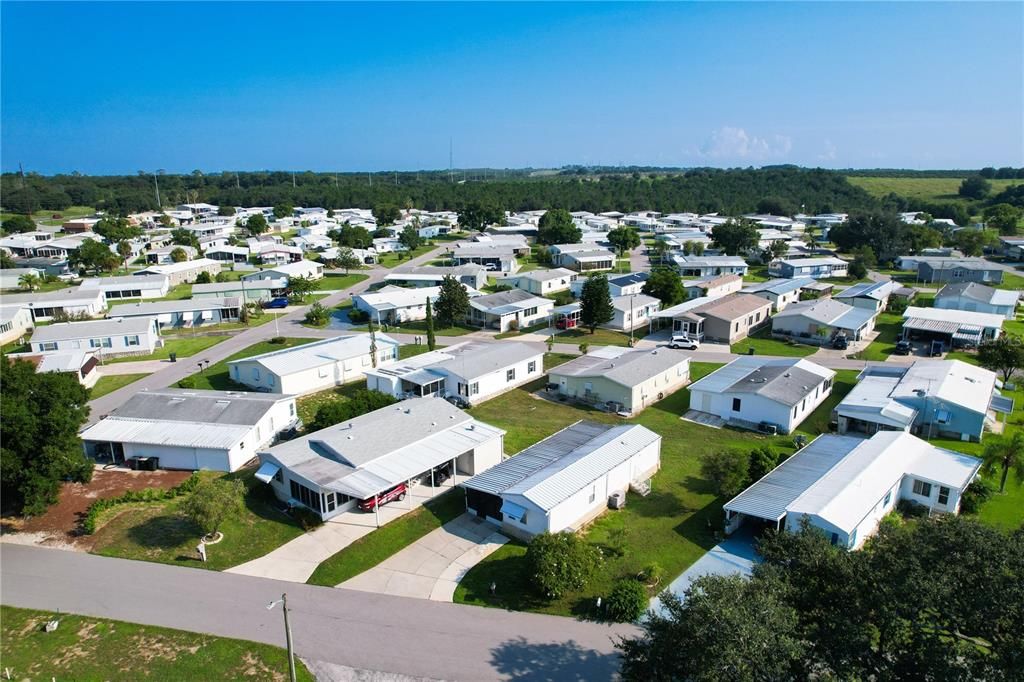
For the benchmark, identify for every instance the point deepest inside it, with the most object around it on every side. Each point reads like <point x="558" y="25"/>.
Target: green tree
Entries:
<point x="204" y="278"/>
<point x="94" y="256"/>
<point x="214" y="502"/>
<point x="30" y="281"/>
<point x="774" y="206"/>
<point x="256" y="224"/>
<point x="452" y="304"/>
<point x="857" y="269"/>
<point x="975" y="187"/>
<point x="39" y="443"/>
<point x="410" y="238"/>
<point x="165" y="220"/>
<point x="361" y="402"/>
<point x="183" y="237"/>
<point x="1003" y="454"/>
<point x="225" y="211"/>
<point x="283" y="210"/>
<point x="627" y="601"/>
<point x="354" y="237"/>
<point x="1003" y="217"/>
<point x="317" y="315"/>
<point x="596" y="302"/>
<point x="556" y="227"/>
<point x="777" y="249"/>
<point x="735" y="237"/>
<point x="124" y="250"/>
<point x="866" y="255"/>
<point x="624" y="239"/>
<point x="728" y="471"/>
<point x="300" y="287"/>
<point x="348" y="260"/>
<point x="116" y="229"/>
<point x="431" y="341"/>
<point x="658" y="250"/>
<point x="1004" y="354"/>
<point x="762" y="460"/>
<point x="386" y="214"/>
<point x="179" y="255"/>
<point x="665" y="285"/>
<point x="561" y="562"/>
<point x="726" y="629"/>
<point x="478" y="215"/>
<point x="18" y="224"/>
<point x="973" y="242"/>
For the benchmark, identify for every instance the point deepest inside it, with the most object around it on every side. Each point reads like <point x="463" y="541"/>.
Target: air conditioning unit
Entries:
<point x="617" y="500"/>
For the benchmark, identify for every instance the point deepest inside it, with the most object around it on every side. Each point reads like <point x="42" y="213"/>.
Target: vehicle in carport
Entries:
<point x="279" y="302"/>
<point x="396" y="493"/>
<point x="903" y="347"/>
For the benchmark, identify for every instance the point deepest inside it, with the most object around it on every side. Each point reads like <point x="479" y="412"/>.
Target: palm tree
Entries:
<point x="29" y="281"/>
<point x="1005" y="454"/>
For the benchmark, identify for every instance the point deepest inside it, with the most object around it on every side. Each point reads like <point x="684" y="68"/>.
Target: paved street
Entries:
<point x="360" y="630"/>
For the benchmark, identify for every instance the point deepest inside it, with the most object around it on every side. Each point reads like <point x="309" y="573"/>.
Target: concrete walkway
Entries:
<point x="432" y="567"/>
<point x="295" y="561"/>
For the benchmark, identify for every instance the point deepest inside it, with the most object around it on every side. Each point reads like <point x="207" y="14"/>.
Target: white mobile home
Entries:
<point x="624" y="380"/>
<point x="300" y="268"/>
<point x="191" y="429"/>
<point x="566" y="480"/>
<point x="130" y="286"/>
<point x="256" y="291"/>
<point x="508" y="310"/>
<point x="54" y="304"/>
<point x="183" y="272"/>
<point x="541" y="282"/>
<point x="313" y="366"/>
<point x="187" y="313"/>
<point x="126" y="336"/>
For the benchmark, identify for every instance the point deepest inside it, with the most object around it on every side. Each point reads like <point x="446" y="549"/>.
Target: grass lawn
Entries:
<point x="756" y="273"/>
<point x="420" y="327"/>
<point x="216" y="376"/>
<point x="16" y="347"/>
<point x="1011" y="281"/>
<point x="87" y="648"/>
<point x="526" y="330"/>
<point x="307" y="405"/>
<point x="184" y="346"/>
<point x="411" y="349"/>
<point x="178" y="293"/>
<point x="600" y="337"/>
<point x="763" y="344"/>
<point x="390" y="260"/>
<point x="669" y="526"/>
<point x="109" y="384"/>
<point x="156" y="531"/>
<point x="930" y="189"/>
<point x="264" y="318"/>
<point x="817" y="423"/>
<point x="370" y="550"/>
<point x="42" y="288"/>
<point x="889" y="326"/>
<point x="331" y="282"/>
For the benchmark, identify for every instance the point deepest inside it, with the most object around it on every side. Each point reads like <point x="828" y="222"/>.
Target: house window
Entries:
<point x="887" y="500"/>
<point x="803" y="405"/>
<point x="923" y="489"/>
<point x="255" y="374"/>
<point x="131" y="340"/>
<point x="330" y="502"/>
<point x="474" y="388"/>
<point x="100" y="343"/>
<point x="532" y="367"/>
<point x="522" y="519"/>
<point x="48" y="346"/>
<point x="279" y="477"/>
<point x="291" y="409"/>
<point x="736" y="404"/>
<point x="794" y="412"/>
<point x="510" y="375"/>
<point x="322" y="372"/>
<point x="943" y="495"/>
<point x="834" y="539"/>
<point x="593" y="494"/>
<point x="737" y="327"/>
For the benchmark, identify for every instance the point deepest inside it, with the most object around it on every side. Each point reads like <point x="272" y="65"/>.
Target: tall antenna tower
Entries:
<point x="451" y="176"/>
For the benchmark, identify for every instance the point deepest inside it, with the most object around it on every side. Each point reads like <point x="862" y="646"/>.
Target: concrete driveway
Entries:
<point x="432" y="567"/>
<point x="735" y="554"/>
<point x="296" y="560"/>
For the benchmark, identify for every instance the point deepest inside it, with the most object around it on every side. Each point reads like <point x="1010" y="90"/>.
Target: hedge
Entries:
<point x="145" y="495"/>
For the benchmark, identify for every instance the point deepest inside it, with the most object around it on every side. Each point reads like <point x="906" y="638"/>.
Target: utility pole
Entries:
<point x="156" y="185"/>
<point x="238" y="184"/>
<point x="396" y="178"/>
<point x="293" y="179"/>
<point x="287" y="633"/>
<point x="451" y="177"/>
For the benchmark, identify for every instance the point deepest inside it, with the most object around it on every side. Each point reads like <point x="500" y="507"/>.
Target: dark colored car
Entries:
<point x="280" y="302"/>
<point x="903" y="348"/>
<point x="442" y="474"/>
<point x="396" y="493"/>
<point x="839" y="343"/>
<point x="936" y="348"/>
<point x="458" y="401"/>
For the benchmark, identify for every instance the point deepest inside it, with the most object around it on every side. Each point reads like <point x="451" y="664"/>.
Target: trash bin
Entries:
<point x="174" y="356"/>
<point x="750" y="350"/>
<point x="133" y="463"/>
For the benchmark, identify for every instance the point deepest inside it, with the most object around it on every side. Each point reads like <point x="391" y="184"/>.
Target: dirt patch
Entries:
<point x="60" y="525"/>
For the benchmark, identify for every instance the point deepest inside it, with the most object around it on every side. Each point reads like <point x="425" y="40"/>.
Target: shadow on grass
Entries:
<point x="700" y="486"/>
<point x="703" y="528"/>
<point x="167" y="531"/>
<point x="510" y="575"/>
<point x="658" y="504"/>
<point x="521" y="659"/>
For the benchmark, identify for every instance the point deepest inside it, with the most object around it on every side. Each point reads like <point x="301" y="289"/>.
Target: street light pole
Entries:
<point x="287" y="633"/>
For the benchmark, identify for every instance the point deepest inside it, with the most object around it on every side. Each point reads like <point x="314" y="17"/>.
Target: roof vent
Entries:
<point x="471" y="427"/>
<point x="407" y="410"/>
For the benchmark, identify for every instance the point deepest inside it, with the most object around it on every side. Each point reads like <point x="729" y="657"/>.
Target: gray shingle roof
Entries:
<point x="632" y="368"/>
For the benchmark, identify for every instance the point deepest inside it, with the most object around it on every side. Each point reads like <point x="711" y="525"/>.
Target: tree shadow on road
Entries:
<point x="524" y="660"/>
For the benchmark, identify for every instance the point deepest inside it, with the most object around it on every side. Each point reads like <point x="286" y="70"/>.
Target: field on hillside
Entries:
<point x="927" y="189"/>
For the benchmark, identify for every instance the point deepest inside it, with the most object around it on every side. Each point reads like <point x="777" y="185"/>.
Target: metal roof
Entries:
<point x="563" y="464"/>
<point x="473" y="360"/>
<point x="870" y="401"/>
<point x="950" y="381"/>
<point x="198" y="406"/>
<point x="978" y="292"/>
<point x="630" y="368"/>
<point x="182" y="306"/>
<point x="964" y="318"/>
<point x="873" y="290"/>
<point x="769" y="497"/>
<point x="829" y="312"/>
<point x="778" y="286"/>
<point x="115" y="429"/>
<point x="785" y="380"/>
<point x="136" y="282"/>
<point x="64" y="331"/>
<point x="508" y="301"/>
<point x="317" y="354"/>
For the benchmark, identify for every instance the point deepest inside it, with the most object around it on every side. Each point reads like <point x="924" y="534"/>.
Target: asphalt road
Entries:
<point x="360" y="630"/>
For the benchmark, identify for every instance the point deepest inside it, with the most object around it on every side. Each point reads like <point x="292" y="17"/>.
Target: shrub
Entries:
<point x="356" y="316"/>
<point x="762" y="460"/>
<point x="513" y="326"/>
<point x="977" y="494"/>
<point x="306" y="518"/>
<point x="728" y="471"/>
<point x="361" y="402"/>
<point x="277" y="340"/>
<point x="317" y="315"/>
<point x="912" y="510"/>
<point x="627" y="601"/>
<point x="652" y="574"/>
<point x="92" y="514"/>
<point x="560" y="563"/>
<point x="187" y="382"/>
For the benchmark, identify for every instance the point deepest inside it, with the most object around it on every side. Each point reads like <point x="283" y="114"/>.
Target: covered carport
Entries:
<point x="767" y="500"/>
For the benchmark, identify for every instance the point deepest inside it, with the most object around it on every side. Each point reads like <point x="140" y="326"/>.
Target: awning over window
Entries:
<point x="1001" y="403"/>
<point x="943" y="416"/>
<point x="512" y="510"/>
<point x="267" y="471"/>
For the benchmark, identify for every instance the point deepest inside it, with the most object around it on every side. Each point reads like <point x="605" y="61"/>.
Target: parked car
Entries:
<point x="441" y="474"/>
<point x="279" y="302"/>
<point x="458" y="401"/>
<point x="396" y="493"/>
<point x="903" y="347"/>
<point x="684" y="343"/>
<point x="840" y="342"/>
<point x="936" y="348"/>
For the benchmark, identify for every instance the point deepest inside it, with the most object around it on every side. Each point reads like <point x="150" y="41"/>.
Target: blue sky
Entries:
<point x="107" y="88"/>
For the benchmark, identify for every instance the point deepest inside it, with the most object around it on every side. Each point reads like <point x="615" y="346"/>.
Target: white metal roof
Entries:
<point x="960" y="317"/>
<point x="870" y="400"/>
<point x="628" y="368"/>
<point x="319" y="353"/>
<point x="787" y="380"/>
<point x="951" y="381"/>
<point x="64" y="331"/>
<point x="116" y="429"/>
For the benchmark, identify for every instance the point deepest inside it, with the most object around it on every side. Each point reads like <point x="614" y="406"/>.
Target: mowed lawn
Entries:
<point x="87" y="648"/>
<point x="673" y="526"/>
<point x="182" y="346"/>
<point x="763" y="344"/>
<point x="930" y="189"/>
<point x="335" y="282"/>
<point x="216" y="376"/>
<point x="109" y="384"/>
<point x="600" y="337"/>
<point x="157" y="531"/>
<point x="889" y="327"/>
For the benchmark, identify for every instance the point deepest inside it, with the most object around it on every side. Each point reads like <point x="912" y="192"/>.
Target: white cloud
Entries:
<point x="734" y="143"/>
<point x="829" y="153"/>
